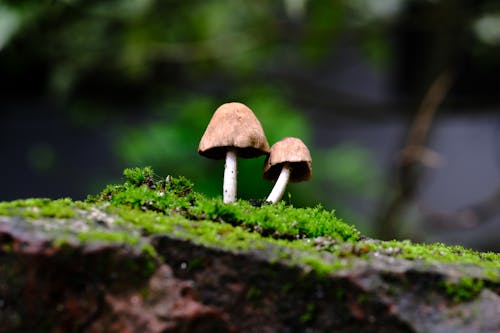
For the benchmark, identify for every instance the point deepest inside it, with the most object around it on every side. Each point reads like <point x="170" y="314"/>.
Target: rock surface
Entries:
<point x="109" y="286"/>
<point x="151" y="256"/>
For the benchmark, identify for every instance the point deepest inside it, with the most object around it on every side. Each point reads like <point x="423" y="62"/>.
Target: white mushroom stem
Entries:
<point x="230" y="182"/>
<point x="280" y="186"/>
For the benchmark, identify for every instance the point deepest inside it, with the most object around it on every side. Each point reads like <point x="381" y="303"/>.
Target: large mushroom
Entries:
<point x="234" y="131"/>
<point x="288" y="160"/>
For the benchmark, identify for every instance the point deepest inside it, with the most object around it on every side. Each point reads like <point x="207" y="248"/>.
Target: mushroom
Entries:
<point x="234" y="131"/>
<point x="288" y="160"/>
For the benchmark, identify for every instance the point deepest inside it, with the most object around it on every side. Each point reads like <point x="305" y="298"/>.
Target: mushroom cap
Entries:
<point x="233" y="125"/>
<point x="292" y="151"/>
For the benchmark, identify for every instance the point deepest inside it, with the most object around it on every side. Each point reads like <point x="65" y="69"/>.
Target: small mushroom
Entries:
<point x="288" y="160"/>
<point x="234" y="131"/>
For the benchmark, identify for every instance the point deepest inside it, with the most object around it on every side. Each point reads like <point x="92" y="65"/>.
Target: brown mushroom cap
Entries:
<point x="292" y="151"/>
<point x="233" y="125"/>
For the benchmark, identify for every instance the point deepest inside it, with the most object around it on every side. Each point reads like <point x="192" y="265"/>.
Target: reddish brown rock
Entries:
<point x="93" y="287"/>
<point x="113" y="287"/>
<point x="168" y="305"/>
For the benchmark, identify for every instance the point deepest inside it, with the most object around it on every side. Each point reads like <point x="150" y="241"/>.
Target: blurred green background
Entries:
<point x="90" y="87"/>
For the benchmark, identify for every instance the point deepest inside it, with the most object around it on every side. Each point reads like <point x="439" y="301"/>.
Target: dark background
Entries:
<point x="397" y="100"/>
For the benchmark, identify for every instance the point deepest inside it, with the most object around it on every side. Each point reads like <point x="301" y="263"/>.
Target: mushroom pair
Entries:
<point x="234" y="131"/>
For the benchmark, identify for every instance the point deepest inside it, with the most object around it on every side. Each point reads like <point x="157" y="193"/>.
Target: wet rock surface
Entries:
<point x="76" y="285"/>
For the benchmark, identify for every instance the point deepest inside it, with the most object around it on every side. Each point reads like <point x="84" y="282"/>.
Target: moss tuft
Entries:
<point x="139" y="176"/>
<point x="175" y="196"/>
<point x="465" y="289"/>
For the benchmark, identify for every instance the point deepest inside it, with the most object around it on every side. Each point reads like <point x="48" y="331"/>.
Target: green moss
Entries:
<point x="466" y="288"/>
<point x="312" y="238"/>
<point x="308" y="315"/>
<point x="108" y="237"/>
<point x="278" y="221"/>
<point x="321" y="266"/>
<point x="62" y="208"/>
<point x="174" y="196"/>
<point x="17" y="207"/>
<point x="37" y="208"/>
<point x="441" y="253"/>
<point x="253" y="294"/>
<point x="195" y="263"/>
<point x="229" y="237"/>
<point x="139" y="176"/>
<point x="362" y="298"/>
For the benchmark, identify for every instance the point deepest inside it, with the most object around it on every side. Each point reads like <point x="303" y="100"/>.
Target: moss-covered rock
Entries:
<point x="248" y="265"/>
